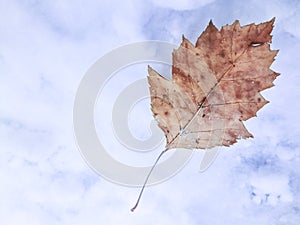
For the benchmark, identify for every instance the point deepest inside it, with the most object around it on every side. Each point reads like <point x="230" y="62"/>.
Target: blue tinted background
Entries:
<point x="45" y="49"/>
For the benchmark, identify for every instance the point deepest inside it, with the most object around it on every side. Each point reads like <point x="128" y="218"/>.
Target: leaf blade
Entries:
<point x="215" y="86"/>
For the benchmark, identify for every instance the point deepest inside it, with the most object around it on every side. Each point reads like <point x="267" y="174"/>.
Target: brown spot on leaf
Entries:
<point x="222" y="53"/>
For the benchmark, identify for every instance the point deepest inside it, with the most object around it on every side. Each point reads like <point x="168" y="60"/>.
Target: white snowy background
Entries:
<point x="46" y="48"/>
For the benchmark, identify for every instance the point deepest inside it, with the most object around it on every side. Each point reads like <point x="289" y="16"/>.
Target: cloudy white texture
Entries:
<point x="181" y="5"/>
<point x="46" y="48"/>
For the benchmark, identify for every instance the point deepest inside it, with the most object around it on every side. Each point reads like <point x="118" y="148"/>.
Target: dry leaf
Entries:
<point x="215" y="86"/>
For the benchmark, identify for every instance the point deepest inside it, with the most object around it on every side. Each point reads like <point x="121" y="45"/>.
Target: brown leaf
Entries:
<point x="215" y="86"/>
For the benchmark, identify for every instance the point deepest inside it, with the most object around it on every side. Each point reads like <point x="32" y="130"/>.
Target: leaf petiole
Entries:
<point x="146" y="180"/>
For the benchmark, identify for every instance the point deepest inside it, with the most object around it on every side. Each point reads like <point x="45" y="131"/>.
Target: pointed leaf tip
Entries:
<point x="149" y="69"/>
<point x="236" y="23"/>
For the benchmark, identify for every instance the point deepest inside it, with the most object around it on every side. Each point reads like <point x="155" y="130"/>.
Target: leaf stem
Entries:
<point x="146" y="180"/>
